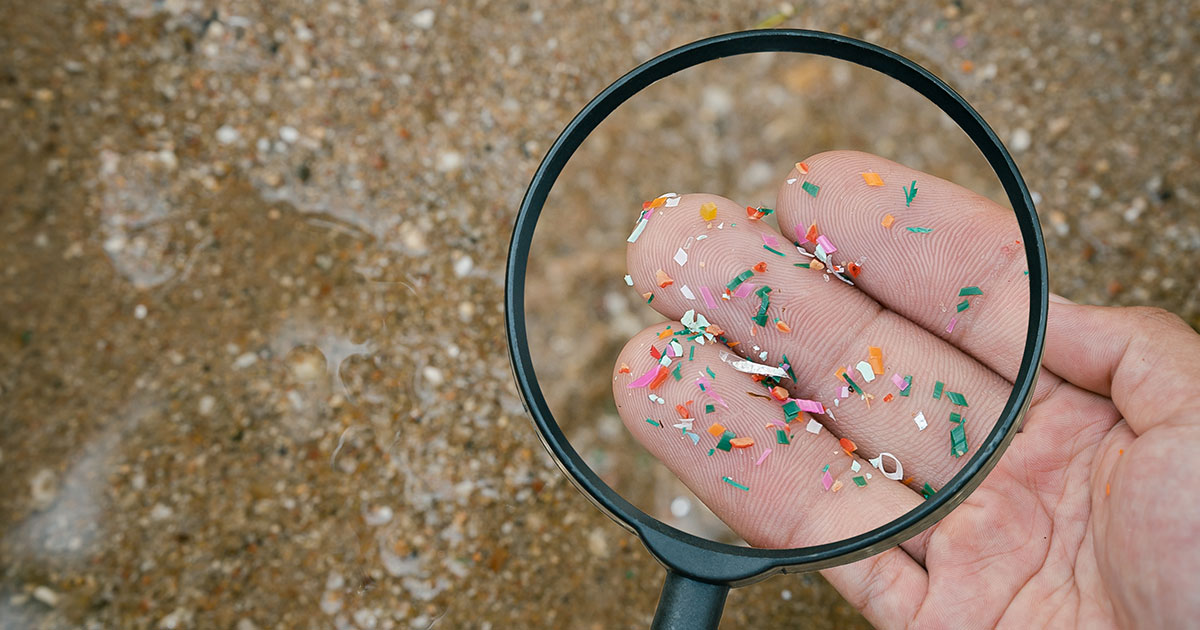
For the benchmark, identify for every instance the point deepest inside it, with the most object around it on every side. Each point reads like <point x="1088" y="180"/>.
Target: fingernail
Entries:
<point x="1058" y="299"/>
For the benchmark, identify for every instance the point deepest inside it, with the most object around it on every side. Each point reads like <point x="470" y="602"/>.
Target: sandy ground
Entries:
<point x="251" y="272"/>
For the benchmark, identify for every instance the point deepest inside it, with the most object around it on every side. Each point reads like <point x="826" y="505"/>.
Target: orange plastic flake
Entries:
<point x="875" y="359"/>
<point x="847" y="445"/>
<point x="838" y="373"/>
<point x="816" y="265"/>
<point x="888" y="220"/>
<point x="714" y="330"/>
<point x="779" y="393"/>
<point x="624" y="369"/>
<point x="872" y="179"/>
<point x="760" y="267"/>
<point x="783" y="327"/>
<point x="734" y="343"/>
<point x="742" y="442"/>
<point x="665" y="333"/>
<point x="854" y="269"/>
<point x="682" y="411"/>
<point x="1107" y="489"/>
<point x="663" y="279"/>
<point x="811" y="237"/>
<point x="646" y="295"/>
<point x="802" y="167"/>
<point x="887" y="398"/>
<point x="716" y="430"/>
<point x="658" y="203"/>
<point x="837" y="485"/>
<point x="754" y="214"/>
<point x="708" y="211"/>
<point x="661" y="376"/>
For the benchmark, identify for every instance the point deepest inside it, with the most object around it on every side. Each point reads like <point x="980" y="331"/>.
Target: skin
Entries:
<point x="1091" y="519"/>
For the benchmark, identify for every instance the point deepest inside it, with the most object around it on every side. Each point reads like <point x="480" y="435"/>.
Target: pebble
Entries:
<point x="423" y="19"/>
<point x="46" y="595"/>
<point x="227" y="135"/>
<point x="433" y="375"/>
<point x="207" y="403"/>
<point x="289" y="134"/>
<point x="1020" y="140"/>
<point x="449" y="161"/>
<point x="139" y="311"/>
<point x="680" y="507"/>
<point x="463" y="265"/>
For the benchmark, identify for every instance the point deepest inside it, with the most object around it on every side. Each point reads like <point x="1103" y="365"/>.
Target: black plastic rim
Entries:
<point x="697" y="557"/>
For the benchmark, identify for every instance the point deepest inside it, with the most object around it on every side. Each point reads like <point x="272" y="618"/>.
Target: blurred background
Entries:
<point x="252" y="367"/>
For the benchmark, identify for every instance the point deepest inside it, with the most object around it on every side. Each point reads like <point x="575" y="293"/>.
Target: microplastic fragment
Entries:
<point x="811" y="406"/>
<point x="774" y="251"/>
<point x="910" y="193"/>
<point x="872" y="179"/>
<point x="860" y="482"/>
<point x="709" y="408"/>
<point x="855" y="466"/>
<point x="823" y="241"/>
<point x="716" y="430"/>
<point x="844" y="392"/>
<point x="810" y="188"/>
<point x="888" y="220"/>
<point x="687" y="293"/>
<point x="813" y="427"/>
<point x="928" y="491"/>
<point x="920" y="420"/>
<point x="875" y="358"/>
<point x="957" y="399"/>
<point x="781" y="437"/>
<point x="920" y="230"/>
<point x="742" y="442"/>
<point x="847" y="445"/>
<point x="827" y="480"/>
<point x="677" y="372"/>
<point x="694" y="437"/>
<point x="864" y="368"/>
<point x="637" y="231"/>
<point x="963" y="305"/>
<point x="710" y="372"/>
<point x="787" y="365"/>
<point x="744" y="290"/>
<point x="708" y="211"/>
<point x="708" y="297"/>
<point x="750" y="367"/>
<point x="681" y="257"/>
<point x="958" y="441"/>
<point x="760" y="267"/>
<point x="895" y="475"/>
<point x="802" y="168"/>
<point x="662" y="279"/>
<point x="937" y="390"/>
<point x="726" y="441"/>
<point x="659" y="378"/>
<point x="955" y="418"/>
<point x="821" y="255"/>
<point x="791" y="180"/>
<point x="628" y="280"/>
<point x="899" y="381"/>
<point x="735" y="484"/>
<point x="965" y="291"/>
<point x="950" y="326"/>
<point x="672" y="202"/>
<point x="654" y="422"/>
<point x="791" y="410"/>
<point x="762" y="457"/>
<point x="908" y="386"/>
<point x="810" y="235"/>
<point x="645" y="379"/>
<point x="739" y="279"/>
<point x="691" y="353"/>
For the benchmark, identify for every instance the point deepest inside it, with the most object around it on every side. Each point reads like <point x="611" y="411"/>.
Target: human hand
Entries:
<point x="1090" y="519"/>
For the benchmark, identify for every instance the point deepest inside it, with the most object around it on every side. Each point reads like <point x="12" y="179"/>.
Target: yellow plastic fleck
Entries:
<point x="888" y="220"/>
<point x="872" y="179"/>
<point x="708" y="211"/>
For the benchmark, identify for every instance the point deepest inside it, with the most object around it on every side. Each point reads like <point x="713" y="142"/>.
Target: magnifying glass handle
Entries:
<point x="689" y="604"/>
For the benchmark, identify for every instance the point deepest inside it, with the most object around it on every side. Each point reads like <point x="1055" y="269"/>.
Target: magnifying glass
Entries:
<point x="832" y="366"/>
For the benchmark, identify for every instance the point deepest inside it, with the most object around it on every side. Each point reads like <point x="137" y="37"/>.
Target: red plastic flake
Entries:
<point x="811" y="237"/>
<point x="655" y="353"/>
<point x="760" y="267"/>
<point x="683" y="412"/>
<point x="847" y="446"/>
<point x="660" y="377"/>
<point x="779" y="393"/>
<point x="853" y="269"/>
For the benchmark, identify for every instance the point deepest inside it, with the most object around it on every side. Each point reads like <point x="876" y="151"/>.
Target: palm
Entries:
<point x="1058" y="534"/>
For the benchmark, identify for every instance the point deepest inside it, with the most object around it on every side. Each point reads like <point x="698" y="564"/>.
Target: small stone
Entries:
<point x="432" y="375"/>
<point x="463" y="266"/>
<point x="46" y="596"/>
<point x="161" y="512"/>
<point x="423" y="19"/>
<point x="786" y="595"/>
<point x="449" y="161"/>
<point x="1020" y="140"/>
<point x="598" y="543"/>
<point x="139" y="311"/>
<point x="246" y="624"/>
<point x="43" y="488"/>
<point x="245" y="360"/>
<point x="207" y="403"/>
<point x="289" y="134"/>
<point x="227" y="135"/>
<point x="680" y="507"/>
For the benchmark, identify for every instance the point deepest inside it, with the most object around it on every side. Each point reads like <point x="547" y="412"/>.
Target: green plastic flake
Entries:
<point x="955" y="418"/>
<point x="691" y="353"/>
<point x="860" y="482"/>
<point x="963" y="305"/>
<point x="781" y="437"/>
<point x="677" y="373"/>
<point x="788" y="363"/>
<point x="919" y="230"/>
<point x="965" y="291"/>
<point x="654" y="422"/>
<point x="937" y="390"/>
<point x="805" y="265"/>
<point x="710" y="408"/>
<point x="775" y="251"/>
<point x="957" y="399"/>
<point x="739" y="279"/>
<point x="735" y="484"/>
<point x="908" y="388"/>
<point x="710" y="372"/>
<point x="765" y="211"/>
<point x="650" y="299"/>
<point x="724" y="444"/>
<point x="958" y="441"/>
<point x="826" y="468"/>
<point x="810" y="188"/>
<point x="711" y="451"/>
<point x="928" y="491"/>
<point x="910" y="193"/>
<point x="853" y="386"/>
<point x="791" y="409"/>
<point x="760" y="319"/>
<point x="763" y="291"/>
